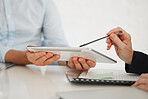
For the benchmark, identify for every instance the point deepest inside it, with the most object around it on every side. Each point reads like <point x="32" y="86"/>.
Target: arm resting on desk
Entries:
<point x="17" y="57"/>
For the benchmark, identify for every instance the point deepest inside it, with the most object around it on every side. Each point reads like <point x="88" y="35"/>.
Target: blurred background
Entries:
<point x="86" y="20"/>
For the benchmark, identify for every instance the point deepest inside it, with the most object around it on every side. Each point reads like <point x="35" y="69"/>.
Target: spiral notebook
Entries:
<point x="104" y="76"/>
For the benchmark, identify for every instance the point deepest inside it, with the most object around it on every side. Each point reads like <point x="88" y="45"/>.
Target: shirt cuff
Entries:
<point x="55" y="63"/>
<point x="132" y="68"/>
<point x="3" y="52"/>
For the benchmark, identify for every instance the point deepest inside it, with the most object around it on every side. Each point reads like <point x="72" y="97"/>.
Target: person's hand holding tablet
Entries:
<point x="79" y="63"/>
<point x="43" y="58"/>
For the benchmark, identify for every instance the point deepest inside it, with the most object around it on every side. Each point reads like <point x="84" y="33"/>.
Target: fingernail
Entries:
<point x="75" y="58"/>
<point x="81" y="59"/>
<point x="57" y="56"/>
<point x="107" y="33"/>
<point x="133" y="86"/>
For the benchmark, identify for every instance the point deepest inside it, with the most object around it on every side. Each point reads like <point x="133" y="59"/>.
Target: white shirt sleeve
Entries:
<point x="52" y="30"/>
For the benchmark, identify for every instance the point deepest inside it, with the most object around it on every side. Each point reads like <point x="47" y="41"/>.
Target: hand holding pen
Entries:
<point x="122" y="44"/>
<point x="121" y="41"/>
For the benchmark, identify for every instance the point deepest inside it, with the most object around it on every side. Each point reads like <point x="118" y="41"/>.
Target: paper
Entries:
<point x="110" y="74"/>
<point x="102" y="76"/>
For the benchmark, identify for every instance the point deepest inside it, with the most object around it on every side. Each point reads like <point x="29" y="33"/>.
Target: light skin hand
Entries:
<point x="42" y="58"/>
<point x="142" y="82"/>
<point x="122" y="44"/>
<point x="79" y="63"/>
<point x="123" y="47"/>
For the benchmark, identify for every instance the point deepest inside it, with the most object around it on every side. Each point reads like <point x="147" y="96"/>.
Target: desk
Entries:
<point x="34" y="82"/>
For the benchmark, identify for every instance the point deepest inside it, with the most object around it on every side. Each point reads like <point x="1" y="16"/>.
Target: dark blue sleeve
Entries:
<point x="139" y="63"/>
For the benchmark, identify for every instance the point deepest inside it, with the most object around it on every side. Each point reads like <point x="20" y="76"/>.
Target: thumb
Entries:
<point x="116" y="40"/>
<point x="31" y="45"/>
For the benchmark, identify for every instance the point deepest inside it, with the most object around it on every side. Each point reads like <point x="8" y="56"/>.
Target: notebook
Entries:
<point x="104" y="76"/>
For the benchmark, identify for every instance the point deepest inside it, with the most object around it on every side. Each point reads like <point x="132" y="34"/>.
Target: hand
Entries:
<point x="142" y="82"/>
<point x="122" y="44"/>
<point x="80" y="63"/>
<point x="42" y="58"/>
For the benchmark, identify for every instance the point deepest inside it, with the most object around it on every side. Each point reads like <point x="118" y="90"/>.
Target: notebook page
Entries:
<point x="117" y="74"/>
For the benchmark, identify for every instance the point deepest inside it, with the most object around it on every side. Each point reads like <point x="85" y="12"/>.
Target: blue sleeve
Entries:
<point x="52" y="30"/>
<point x="3" y="52"/>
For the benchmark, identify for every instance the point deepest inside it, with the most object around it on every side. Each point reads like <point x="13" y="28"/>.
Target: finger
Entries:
<point x="143" y="87"/>
<point x="31" y="45"/>
<point x="140" y="82"/>
<point x="108" y="40"/>
<point x="84" y="64"/>
<point x="71" y="63"/>
<point x="37" y="55"/>
<point x="123" y="35"/>
<point x="77" y="64"/>
<point x="144" y="75"/>
<point x="109" y="46"/>
<point x="116" y="30"/>
<point x="30" y="50"/>
<point x="115" y="39"/>
<point x="109" y="43"/>
<point x="91" y="63"/>
<point x="34" y="56"/>
<point x="52" y="59"/>
<point x="135" y="84"/>
<point x="42" y="59"/>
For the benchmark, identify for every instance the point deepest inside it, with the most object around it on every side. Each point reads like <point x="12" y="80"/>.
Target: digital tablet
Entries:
<point x="67" y="52"/>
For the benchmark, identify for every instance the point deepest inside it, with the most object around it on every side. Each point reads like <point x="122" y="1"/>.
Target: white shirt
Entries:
<point x="24" y="22"/>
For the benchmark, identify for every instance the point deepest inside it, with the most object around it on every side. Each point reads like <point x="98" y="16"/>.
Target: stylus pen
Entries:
<point x="9" y="66"/>
<point x="98" y="39"/>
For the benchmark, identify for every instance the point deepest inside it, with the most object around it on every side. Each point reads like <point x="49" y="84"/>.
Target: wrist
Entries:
<point x="63" y="63"/>
<point x="26" y="58"/>
<point x="17" y="57"/>
<point x="129" y="61"/>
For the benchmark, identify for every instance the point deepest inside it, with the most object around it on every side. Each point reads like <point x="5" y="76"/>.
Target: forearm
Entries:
<point x="17" y="57"/>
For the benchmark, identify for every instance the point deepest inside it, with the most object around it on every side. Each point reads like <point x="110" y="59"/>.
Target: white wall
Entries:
<point x="86" y="20"/>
